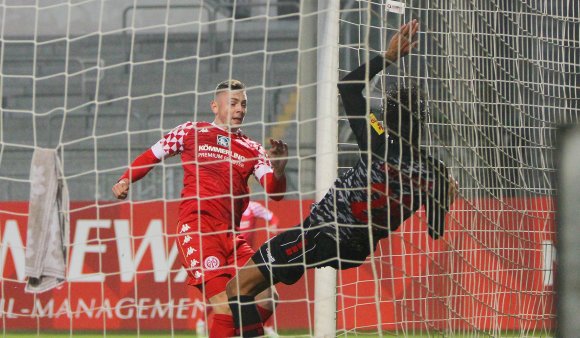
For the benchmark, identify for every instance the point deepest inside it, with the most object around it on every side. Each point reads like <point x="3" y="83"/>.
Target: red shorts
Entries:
<point x="207" y="254"/>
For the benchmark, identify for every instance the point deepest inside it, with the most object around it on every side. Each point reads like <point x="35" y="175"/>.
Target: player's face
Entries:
<point x="229" y="108"/>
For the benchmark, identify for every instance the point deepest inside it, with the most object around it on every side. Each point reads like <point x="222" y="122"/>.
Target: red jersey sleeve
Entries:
<point x="264" y="213"/>
<point x="274" y="221"/>
<point x="274" y="185"/>
<point x="169" y="145"/>
<point x="260" y="211"/>
<point x="140" y="166"/>
<point x="172" y="143"/>
<point x="265" y="175"/>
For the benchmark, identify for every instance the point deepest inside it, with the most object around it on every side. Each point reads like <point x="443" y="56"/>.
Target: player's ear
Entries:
<point x="214" y="106"/>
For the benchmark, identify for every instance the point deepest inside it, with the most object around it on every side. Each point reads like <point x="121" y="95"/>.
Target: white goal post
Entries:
<point x="568" y="234"/>
<point x="326" y="159"/>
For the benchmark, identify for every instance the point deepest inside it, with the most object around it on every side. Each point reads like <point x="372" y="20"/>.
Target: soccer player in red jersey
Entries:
<point x="218" y="160"/>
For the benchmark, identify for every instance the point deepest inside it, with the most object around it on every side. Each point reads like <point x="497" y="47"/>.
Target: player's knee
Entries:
<point x="275" y="298"/>
<point x="222" y="309"/>
<point x="219" y="304"/>
<point x="232" y="287"/>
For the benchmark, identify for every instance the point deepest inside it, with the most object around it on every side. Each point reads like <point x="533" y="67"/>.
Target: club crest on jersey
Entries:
<point x="223" y="141"/>
<point x="211" y="263"/>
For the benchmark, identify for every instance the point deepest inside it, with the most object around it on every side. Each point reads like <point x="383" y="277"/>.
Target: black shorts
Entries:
<point x="285" y="257"/>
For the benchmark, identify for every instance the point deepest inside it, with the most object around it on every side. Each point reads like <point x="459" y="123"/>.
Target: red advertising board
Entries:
<point x="493" y="268"/>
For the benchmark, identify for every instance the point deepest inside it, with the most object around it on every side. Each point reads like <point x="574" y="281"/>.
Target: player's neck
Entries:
<point x="225" y="127"/>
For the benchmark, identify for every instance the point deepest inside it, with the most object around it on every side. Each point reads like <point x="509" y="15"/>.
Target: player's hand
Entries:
<point x="121" y="189"/>
<point x="403" y="41"/>
<point x="278" y="156"/>
<point x="453" y="189"/>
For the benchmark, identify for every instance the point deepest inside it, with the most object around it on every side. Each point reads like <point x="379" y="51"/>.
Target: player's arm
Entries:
<point x="271" y="169"/>
<point x="170" y="145"/>
<point x="353" y="84"/>
<point x="138" y="169"/>
<point x="355" y="104"/>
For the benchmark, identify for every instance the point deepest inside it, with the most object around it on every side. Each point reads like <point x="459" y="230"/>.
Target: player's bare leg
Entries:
<point x="266" y="303"/>
<point x="222" y="312"/>
<point x="219" y="303"/>
<point x="249" y="281"/>
<point x="242" y="291"/>
<point x="223" y="323"/>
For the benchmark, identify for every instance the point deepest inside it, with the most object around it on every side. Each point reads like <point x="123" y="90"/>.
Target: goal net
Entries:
<point x="100" y="81"/>
<point x="501" y="77"/>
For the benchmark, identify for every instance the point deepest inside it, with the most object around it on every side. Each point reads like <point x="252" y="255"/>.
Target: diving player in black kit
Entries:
<point x="341" y="229"/>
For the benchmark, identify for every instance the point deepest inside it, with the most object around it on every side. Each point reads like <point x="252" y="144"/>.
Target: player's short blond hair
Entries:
<point x="229" y="85"/>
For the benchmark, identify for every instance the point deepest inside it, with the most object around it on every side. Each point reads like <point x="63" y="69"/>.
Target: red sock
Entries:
<point x="222" y="326"/>
<point x="265" y="314"/>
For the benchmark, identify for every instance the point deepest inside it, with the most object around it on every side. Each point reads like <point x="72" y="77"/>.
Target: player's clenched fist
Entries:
<point x="121" y="189"/>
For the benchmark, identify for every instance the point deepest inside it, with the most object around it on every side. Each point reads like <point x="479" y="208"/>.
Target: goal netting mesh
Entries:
<point x="100" y="81"/>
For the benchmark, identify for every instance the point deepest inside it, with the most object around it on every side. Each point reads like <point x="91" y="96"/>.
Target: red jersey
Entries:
<point x="217" y="165"/>
<point x="256" y="211"/>
<point x="250" y="217"/>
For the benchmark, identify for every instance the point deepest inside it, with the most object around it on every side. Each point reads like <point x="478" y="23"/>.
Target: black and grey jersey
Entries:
<point x="391" y="180"/>
<point x="381" y="195"/>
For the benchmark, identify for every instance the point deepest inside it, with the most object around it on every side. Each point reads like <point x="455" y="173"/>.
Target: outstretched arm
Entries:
<point x="353" y="84"/>
<point x="139" y="168"/>
<point x="170" y="145"/>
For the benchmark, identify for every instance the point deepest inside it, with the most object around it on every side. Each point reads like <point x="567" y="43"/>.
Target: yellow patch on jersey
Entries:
<point x="377" y="125"/>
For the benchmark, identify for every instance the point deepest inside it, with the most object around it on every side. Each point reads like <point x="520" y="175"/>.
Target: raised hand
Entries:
<point x="403" y="41"/>
<point x="121" y="189"/>
<point x="278" y="156"/>
<point x="453" y="189"/>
